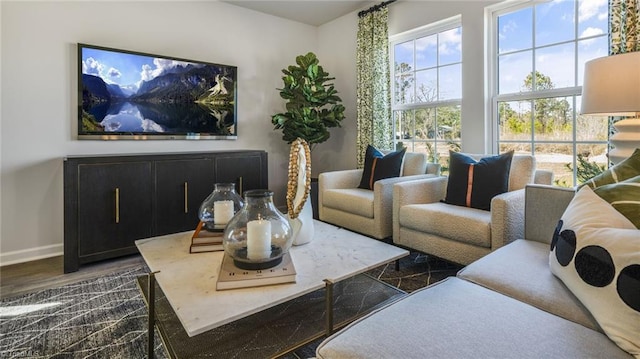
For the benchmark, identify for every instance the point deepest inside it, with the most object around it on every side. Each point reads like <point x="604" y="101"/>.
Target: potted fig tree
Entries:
<point x="312" y="107"/>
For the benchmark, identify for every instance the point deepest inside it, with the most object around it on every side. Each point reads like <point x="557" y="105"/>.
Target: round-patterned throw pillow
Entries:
<point x="595" y="251"/>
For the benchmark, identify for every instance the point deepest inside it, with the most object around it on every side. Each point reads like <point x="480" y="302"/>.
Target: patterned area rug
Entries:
<point x="417" y="270"/>
<point x="101" y="318"/>
<point x="107" y="317"/>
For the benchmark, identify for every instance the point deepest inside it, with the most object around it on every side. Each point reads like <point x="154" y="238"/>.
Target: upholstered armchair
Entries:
<point x="457" y="233"/>
<point x="342" y="203"/>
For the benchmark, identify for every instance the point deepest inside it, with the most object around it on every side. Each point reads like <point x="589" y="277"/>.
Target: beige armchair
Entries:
<point x="342" y="203"/>
<point x="456" y="233"/>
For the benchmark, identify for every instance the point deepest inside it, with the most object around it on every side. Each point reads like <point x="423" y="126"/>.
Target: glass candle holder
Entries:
<point x="220" y="206"/>
<point x="259" y="235"/>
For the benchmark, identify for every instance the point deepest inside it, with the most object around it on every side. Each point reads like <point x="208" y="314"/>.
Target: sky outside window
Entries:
<point x="514" y="31"/>
<point x="426" y="52"/>
<point x="435" y="60"/>
<point x="427" y="70"/>
<point x="449" y="46"/>
<point x="403" y="53"/>
<point x="558" y="63"/>
<point x="593" y="18"/>
<point x="555" y="24"/>
<point x="542" y="48"/>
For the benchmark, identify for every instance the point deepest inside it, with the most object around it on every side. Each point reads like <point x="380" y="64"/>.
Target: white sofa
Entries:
<point x="506" y="305"/>
<point x="456" y="233"/>
<point x="342" y="203"/>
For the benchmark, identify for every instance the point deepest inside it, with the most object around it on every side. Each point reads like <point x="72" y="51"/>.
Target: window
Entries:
<point x="538" y="57"/>
<point x="427" y="88"/>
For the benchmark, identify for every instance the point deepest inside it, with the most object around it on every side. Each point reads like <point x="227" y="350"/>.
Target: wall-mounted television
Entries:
<point x="132" y="95"/>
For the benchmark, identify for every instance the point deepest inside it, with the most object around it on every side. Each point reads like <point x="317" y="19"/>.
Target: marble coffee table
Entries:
<point x="188" y="281"/>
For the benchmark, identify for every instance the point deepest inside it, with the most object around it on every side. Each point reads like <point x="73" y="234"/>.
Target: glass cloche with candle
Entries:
<point x="259" y="235"/>
<point x="220" y="206"/>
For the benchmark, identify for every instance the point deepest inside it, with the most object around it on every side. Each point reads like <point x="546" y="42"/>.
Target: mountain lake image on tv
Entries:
<point x="132" y="95"/>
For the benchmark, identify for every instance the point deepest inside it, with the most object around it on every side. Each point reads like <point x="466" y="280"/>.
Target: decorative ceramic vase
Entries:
<point x="220" y="206"/>
<point x="299" y="210"/>
<point x="258" y="236"/>
<point x="302" y="226"/>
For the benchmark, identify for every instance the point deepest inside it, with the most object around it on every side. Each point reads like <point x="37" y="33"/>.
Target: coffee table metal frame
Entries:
<point x="373" y="254"/>
<point x="387" y="294"/>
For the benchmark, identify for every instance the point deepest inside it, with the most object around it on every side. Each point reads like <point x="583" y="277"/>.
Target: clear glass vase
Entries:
<point x="259" y="235"/>
<point x="220" y="206"/>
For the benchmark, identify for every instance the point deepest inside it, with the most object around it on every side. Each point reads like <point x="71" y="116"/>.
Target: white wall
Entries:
<point x="337" y="54"/>
<point x="38" y="75"/>
<point x="38" y="108"/>
<point x="337" y="48"/>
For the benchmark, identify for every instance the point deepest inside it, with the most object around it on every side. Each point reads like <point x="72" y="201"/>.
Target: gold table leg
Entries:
<point x="329" y="305"/>
<point x="151" y="289"/>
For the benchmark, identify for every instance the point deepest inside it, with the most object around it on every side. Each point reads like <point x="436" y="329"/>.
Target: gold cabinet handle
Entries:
<point x="186" y="197"/>
<point x="240" y="185"/>
<point x="117" y="205"/>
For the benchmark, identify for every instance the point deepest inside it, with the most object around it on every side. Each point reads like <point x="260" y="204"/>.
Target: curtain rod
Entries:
<point x="375" y="8"/>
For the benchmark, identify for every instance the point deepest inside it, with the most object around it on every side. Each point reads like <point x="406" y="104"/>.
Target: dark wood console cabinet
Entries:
<point x="112" y="201"/>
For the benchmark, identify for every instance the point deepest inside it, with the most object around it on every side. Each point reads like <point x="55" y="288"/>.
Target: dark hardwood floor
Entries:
<point x="46" y="273"/>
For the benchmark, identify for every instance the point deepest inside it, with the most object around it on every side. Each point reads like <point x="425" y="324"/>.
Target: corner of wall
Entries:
<point x="31" y="254"/>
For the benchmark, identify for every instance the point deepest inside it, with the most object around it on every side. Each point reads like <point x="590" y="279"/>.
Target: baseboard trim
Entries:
<point x="31" y="254"/>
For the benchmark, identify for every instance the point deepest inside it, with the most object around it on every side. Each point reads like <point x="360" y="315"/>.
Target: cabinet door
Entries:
<point x="181" y="186"/>
<point x="246" y="170"/>
<point x="114" y="207"/>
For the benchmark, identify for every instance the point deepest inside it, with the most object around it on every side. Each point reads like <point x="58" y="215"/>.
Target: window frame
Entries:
<point x="434" y="28"/>
<point x="495" y="98"/>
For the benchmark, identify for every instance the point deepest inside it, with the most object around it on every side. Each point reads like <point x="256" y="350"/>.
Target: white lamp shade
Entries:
<point x="612" y="85"/>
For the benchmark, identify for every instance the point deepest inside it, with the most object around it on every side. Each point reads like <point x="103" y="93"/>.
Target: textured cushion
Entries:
<point x="458" y="319"/>
<point x="520" y="270"/>
<point x="468" y="225"/>
<point x="596" y="253"/>
<point x="352" y="200"/>
<point x="474" y="183"/>
<point x="626" y="169"/>
<point x="624" y="197"/>
<point x="415" y="163"/>
<point x="522" y="172"/>
<point x="378" y="166"/>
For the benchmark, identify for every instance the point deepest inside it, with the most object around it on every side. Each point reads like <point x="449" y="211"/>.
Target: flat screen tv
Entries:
<point x="132" y="95"/>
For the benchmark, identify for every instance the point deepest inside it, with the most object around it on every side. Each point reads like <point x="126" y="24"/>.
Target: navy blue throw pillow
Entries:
<point x="378" y="166"/>
<point x="474" y="183"/>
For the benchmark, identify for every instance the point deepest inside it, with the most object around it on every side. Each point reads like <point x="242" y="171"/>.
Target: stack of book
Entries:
<point x="204" y="240"/>
<point x="231" y="277"/>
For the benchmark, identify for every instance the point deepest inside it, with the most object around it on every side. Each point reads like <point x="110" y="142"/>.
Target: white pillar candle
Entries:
<point x="258" y="239"/>
<point x="222" y="212"/>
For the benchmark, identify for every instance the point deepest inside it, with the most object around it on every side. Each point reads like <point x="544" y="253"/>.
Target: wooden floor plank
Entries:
<point x="22" y="278"/>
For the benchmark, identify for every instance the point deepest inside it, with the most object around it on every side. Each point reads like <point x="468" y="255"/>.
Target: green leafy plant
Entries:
<point x="586" y="170"/>
<point x="312" y="102"/>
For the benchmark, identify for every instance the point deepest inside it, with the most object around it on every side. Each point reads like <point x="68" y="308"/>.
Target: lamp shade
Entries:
<point x="612" y="85"/>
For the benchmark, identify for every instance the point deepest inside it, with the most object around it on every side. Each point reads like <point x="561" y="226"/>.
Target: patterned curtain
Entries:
<point x="373" y="93"/>
<point x="624" y="29"/>
<point x="624" y="26"/>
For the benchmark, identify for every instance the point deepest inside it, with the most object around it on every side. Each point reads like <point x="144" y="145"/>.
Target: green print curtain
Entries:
<point x="373" y="94"/>
<point x="624" y="25"/>
<point x="624" y="28"/>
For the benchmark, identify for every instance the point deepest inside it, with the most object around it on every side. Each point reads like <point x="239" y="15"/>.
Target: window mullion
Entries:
<point x="534" y="78"/>
<point x="522" y="96"/>
<point x="414" y="106"/>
